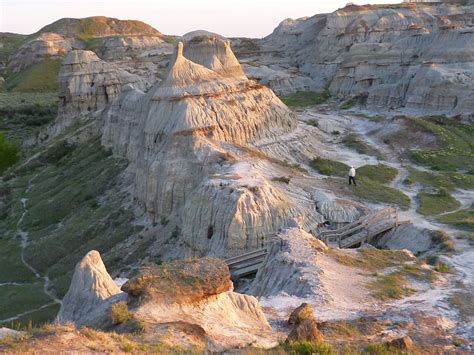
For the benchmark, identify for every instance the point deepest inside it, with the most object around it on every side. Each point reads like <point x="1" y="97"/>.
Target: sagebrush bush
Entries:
<point x="119" y="313"/>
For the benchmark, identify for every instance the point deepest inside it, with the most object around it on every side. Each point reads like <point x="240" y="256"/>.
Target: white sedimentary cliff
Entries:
<point x="88" y="84"/>
<point x="414" y="57"/>
<point x="188" y="140"/>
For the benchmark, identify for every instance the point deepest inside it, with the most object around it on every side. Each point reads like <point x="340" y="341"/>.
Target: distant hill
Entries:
<point x="98" y="26"/>
<point x="31" y="62"/>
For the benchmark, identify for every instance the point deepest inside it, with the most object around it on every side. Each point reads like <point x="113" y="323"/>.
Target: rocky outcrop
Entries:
<point x="187" y="296"/>
<point x="402" y="56"/>
<point x="91" y="293"/>
<point x="304" y="326"/>
<point x="198" y="292"/>
<point x="291" y="267"/>
<point x="408" y="237"/>
<point x="180" y="281"/>
<point x="88" y="84"/>
<point x="336" y="211"/>
<point x="188" y="140"/>
<point x="10" y="333"/>
<point x="51" y="46"/>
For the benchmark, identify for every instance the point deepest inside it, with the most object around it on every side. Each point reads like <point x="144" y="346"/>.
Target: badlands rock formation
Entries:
<point x="417" y="57"/>
<point x="291" y="267"/>
<point x="87" y="84"/>
<point x="48" y="45"/>
<point x="55" y="40"/>
<point x="188" y="140"/>
<point x="190" y="294"/>
<point x="91" y="292"/>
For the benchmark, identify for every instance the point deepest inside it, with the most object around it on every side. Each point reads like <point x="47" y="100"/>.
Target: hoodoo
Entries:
<point x="187" y="140"/>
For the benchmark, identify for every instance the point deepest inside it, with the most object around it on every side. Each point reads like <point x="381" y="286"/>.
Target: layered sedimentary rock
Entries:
<point x="291" y="268"/>
<point x="418" y="57"/>
<point x="111" y="37"/>
<point x="171" y="284"/>
<point x="87" y="84"/>
<point x="51" y="46"/>
<point x="189" y="139"/>
<point x="91" y="292"/>
<point x="187" y="295"/>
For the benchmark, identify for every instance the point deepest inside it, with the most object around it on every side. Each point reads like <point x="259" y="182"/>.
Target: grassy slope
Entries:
<point x="371" y="181"/>
<point x="63" y="202"/>
<point x="463" y="219"/>
<point x="456" y="152"/>
<point x="39" y="77"/>
<point x="436" y="203"/>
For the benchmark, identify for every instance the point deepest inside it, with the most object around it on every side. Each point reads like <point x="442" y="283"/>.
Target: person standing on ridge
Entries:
<point x="352" y="174"/>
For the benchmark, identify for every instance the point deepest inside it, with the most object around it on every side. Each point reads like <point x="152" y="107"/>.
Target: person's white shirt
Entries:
<point x="352" y="172"/>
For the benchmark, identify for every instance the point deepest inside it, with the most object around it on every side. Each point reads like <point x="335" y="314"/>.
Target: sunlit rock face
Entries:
<point x="414" y="57"/>
<point x="188" y="140"/>
<point x="192" y="294"/>
<point x="91" y="292"/>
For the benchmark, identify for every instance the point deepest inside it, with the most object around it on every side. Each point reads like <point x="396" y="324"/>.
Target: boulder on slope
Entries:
<point x="180" y="281"/>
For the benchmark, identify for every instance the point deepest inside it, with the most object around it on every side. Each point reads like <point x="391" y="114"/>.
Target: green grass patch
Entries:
<point x="42" y="76"/>
<point x="435" y="203"/>
<point x="329" y="167"/>
<point x="391" y="286"/>
<point x="429" y="179"/>
<point x="10" y="42"/>
<point x="374" y="191"/>
<point x="306" y="98"/>
<point x="18" y="299"/>
<point x="371" y="180"/>
<point x="304" y="348"/>
<point x="445" y="180"/>
<point x="371" y="259"/>
<point x="13" y="270"/>
<point x="456" y="146"/>
<point x="354" y="142"/>
<point x="463" y="219"/>
<point x="312" y="122"/>
<point x="379" y="173"/>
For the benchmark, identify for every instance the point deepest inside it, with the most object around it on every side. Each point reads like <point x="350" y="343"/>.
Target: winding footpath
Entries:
<point x="24" y="242"/>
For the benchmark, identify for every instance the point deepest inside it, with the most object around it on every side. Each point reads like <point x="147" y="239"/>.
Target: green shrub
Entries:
<point x="119" y="313"/>
<point x="335" y="133"/>
<point x="442" y="239"/>
<point x="443" y="268"/>
<point x="8" y="153"/>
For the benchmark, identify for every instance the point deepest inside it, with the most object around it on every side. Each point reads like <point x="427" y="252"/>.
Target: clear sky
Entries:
<point x="231" y="18"/>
